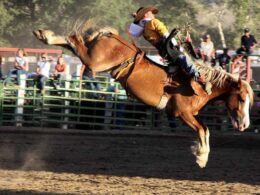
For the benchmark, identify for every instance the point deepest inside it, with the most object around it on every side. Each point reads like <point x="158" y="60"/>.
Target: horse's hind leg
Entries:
<point x="201" y="148"/>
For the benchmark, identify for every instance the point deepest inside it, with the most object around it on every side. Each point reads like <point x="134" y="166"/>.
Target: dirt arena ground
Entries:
<point x="48" y="162"/>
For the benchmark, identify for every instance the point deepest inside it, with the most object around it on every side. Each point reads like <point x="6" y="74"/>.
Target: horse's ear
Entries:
<point x="236" y="83"/>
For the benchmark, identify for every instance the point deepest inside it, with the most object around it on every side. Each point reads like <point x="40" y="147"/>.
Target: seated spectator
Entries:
<point x="86" y="74"/>
<point x="109" y="104"/>
<point x="21" y="66"/>
<point x="224" y="59"/>
<point x="42" y="71"/>
<point x="120" y="101"/>
<point x="60" y="72"/>
<point x="207" y="51"/>
<point x="115" y="101"/>
<point x="248" y="43"/>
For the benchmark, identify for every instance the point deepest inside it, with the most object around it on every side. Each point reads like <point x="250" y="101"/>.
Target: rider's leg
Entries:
<point x="188" y="66"/>
<point x="191" y="70"/>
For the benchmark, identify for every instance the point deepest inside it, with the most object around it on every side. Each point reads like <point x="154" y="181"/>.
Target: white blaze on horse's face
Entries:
<point x="246" y="111"/>
<point x="240" y="112"/>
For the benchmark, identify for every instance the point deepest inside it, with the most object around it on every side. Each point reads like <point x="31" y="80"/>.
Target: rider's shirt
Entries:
<point x="154" y="31"/>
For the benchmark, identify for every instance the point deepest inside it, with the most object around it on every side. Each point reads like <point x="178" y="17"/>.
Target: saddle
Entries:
<point x="172" y="52"/>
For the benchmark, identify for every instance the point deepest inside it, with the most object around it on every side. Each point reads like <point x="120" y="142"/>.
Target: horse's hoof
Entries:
<point x="201" y="163"/>
<point x="202" y="159"/>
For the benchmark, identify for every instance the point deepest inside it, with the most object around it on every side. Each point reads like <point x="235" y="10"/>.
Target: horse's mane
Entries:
<point x="218" y="76"/>
<point x="89" y="30"/>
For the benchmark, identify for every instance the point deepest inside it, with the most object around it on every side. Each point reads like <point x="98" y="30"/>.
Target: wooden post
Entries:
<point x="248" y="69"/>
<point x="66" y="102"/>
<point x="20" y="101"/>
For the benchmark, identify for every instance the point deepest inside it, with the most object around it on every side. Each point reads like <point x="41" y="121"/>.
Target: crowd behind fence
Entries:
<point x="77" y="105"/>
<point x="74" y="106"/>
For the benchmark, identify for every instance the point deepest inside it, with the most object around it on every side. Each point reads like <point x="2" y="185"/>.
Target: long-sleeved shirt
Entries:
<point x="154" y="31"/>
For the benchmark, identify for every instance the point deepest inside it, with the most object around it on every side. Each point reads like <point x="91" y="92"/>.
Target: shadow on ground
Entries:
<point x="233" y="158"/>
<point x="14" y="192"/>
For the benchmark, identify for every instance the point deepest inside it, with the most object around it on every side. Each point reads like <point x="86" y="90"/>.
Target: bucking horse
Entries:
<point x="104" y="50"/>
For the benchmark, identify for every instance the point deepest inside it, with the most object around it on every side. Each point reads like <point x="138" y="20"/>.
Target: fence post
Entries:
<point x="1" y="102"/>
<point x="248" y="69"/>
<point x="20" y="101"/>
<point x="66" y="102"/>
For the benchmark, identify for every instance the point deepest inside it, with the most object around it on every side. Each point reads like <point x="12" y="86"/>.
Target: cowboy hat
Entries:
<point x="142" y="11"/>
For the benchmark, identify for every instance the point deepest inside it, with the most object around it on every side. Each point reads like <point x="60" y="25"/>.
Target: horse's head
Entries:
<point x="239" y="101"/>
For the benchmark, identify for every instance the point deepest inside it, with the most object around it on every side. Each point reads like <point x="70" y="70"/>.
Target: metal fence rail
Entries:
<point x="74" y="106"/>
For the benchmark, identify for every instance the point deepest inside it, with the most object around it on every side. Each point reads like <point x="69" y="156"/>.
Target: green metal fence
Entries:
<point x="75" y="106"/>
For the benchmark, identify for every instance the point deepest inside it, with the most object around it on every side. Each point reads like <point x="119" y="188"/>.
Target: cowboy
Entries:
<point x="155" y="32"/>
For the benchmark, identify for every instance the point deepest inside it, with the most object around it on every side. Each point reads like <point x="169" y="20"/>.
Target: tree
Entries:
<point x="6" y="19"/>
<point x="247" y="15"/>
<point x="32" y="14"/>
<point x="114" y="13"/>
<point x="20" y="17"/>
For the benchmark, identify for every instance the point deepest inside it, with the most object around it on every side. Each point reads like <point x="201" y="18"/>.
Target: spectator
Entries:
<point x="60" y="72"/>
<point x="224" y="59"/>
<point x="21" y="66"/>
<point x="236" y="65"/>
<point x="86" y="74"/>
<point x="109" y="103"/>
<point x="1" y="62"/>
<point x="43" y="71"/>
<point x="207" y="51"/>
<point x="115" y="101"/>
<point x="248" y="43"/>
<point x="120" y="102"/>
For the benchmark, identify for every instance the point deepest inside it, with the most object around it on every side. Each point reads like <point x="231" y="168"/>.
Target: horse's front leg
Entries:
<point x="201" y="148"/>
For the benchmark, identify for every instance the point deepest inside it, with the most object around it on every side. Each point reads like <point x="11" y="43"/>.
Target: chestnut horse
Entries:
<point x="105" y="50"/>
